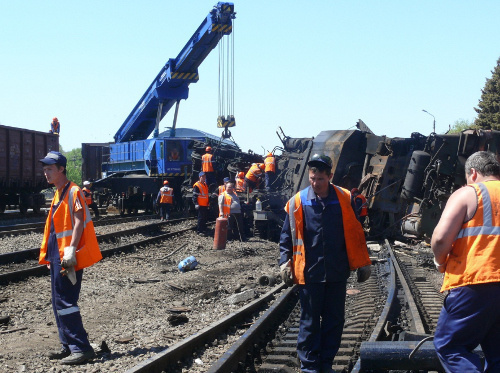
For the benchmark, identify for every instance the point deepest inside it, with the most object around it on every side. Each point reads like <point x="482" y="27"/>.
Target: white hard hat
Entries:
<point x="85" y="183"/>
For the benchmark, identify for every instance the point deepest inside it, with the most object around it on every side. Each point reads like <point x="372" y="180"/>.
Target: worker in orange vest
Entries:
<point x="55" y="126"/>
<point x="254" y="175"/>
<point x="201" y="202"/>
<point x="165" y="199"/>
<point x="359" y="204"/>
<point x="207" y="165"/>
<point x="222" y="188"/>
<point x="321" y="242"/>
<point x="89" y="198"/>
<point x="240" y="182"/>
<point x="270" y="170"/>
<point x="69" y="245"/>
<point x="230" y="208"/>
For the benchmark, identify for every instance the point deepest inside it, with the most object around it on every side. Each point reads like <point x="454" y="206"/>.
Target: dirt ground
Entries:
<point x="127" y="300"/>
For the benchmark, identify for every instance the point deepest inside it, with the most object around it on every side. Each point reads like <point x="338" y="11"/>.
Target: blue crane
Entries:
<point x="172" y="82"/>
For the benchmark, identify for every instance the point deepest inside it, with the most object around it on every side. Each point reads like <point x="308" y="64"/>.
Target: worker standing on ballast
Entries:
<point x="55" y="126"/>
<point x="165" y="199"/>
<point x="207" y="165"/>
<point x="230" y="208"/>
<point x="69" y="245"/>
<point x="89" y="199"/>
<point x="200" y="200"/>
<point x="359" y="204"/>
<point x="270" y="170"/>
<point x="321" y="242"/>
<point x="466" y="244"/>
<point x="254" y="176"/>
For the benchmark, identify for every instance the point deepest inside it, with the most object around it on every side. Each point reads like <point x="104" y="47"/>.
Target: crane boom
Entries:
<point x="172" y="82"/>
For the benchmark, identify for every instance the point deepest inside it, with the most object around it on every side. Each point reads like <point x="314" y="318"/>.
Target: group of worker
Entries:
<point x="321" y="241"/>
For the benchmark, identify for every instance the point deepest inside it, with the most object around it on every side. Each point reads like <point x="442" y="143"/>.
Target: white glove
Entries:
<point x="69" y="257"/>
<point x="286" y="273"/>
<point x="196" y="207"/>
<point x="364" y="273"/>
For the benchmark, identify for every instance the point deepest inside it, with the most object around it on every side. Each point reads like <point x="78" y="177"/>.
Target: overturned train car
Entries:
<point x="406" y="181"/>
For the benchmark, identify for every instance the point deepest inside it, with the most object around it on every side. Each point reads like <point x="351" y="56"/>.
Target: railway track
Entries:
<point x="37" y="227"/>
<point x="396" y="302"/>
<point x="19" y="265"/>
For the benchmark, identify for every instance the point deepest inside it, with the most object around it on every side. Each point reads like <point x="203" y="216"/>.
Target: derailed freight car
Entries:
<point x="21" y="177"/>
<point x="406" y="181"/>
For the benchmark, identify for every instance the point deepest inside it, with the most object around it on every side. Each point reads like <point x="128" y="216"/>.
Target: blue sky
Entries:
<point x="304" y="66"/>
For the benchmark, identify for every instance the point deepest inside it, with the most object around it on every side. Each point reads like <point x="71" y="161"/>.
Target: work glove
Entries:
<point x="364" y="273"/>
<point x="68" y="262"/>
<point x="286" y="273"/>
<point x="196" y="207"/>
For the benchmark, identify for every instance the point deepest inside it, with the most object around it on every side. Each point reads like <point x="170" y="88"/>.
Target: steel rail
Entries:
<point x="42" y="269"/>
<point x="184" y="348"/>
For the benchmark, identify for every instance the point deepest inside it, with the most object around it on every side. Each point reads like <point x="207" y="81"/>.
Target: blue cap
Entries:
<point x="54" y="157"/>
<point x="201" y="173"/>
<point x="226" y="179"/>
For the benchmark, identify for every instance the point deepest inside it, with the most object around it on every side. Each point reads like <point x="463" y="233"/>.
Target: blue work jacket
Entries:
<point x="326" y="255"/>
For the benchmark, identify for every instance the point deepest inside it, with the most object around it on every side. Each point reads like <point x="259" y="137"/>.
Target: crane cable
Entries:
<point x="226" y="75"/>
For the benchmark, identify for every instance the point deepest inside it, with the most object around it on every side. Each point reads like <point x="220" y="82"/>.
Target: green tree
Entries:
<point x="74" y="166"/>
<point x="461" y="125"/>
<point x="489" y="104"/>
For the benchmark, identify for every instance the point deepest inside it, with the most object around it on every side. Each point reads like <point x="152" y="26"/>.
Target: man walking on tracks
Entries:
<point x="320" y="243"/>
<point x="201" y="202"/>
<point x="165" y="200"/>
<point x="69" y="245"/>
<point x="89" y="199"/>
<point x="466" y="245"/>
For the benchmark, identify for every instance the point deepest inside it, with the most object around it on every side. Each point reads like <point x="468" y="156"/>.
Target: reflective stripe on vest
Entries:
<point x="475" y="258"/>
<point x="88" y="195"/>
<point x="253" y="173"/>
<point x="270" y="165"/>
<point x="354" y="236"/>
<point x="166" y="195"/>
<point x="206" y="163"/>
<point x="202" y="198"/>
<point x="87" y="252"/>
<point x="226" y="207"/>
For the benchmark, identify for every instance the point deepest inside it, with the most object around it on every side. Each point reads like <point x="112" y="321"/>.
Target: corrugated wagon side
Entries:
<point x="21" y="176"/>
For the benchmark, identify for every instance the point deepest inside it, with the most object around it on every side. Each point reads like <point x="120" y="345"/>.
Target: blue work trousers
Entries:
<point x="470" y="317"/>
<point x="165" y="210"/>
<point x="321" y="324"/>
<point x="202" y="219"/>
<point x="269" y="177"/>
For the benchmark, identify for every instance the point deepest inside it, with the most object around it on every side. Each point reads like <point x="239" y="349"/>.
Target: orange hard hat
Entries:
<point x="55" y="119"/>
<point x="241" y="174"/>
<point x="165" y="182"/>
<point x="208" y="149"/>
<point x="262" y="166"/>
<point x="354" y="190"/>
<point x="269" y="154"/>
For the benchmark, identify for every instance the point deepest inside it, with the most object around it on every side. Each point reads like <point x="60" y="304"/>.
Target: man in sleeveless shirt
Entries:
<point x="466" y="246"/>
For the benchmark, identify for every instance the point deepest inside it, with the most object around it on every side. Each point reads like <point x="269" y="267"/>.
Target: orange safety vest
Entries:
<point x="357" y="252"/>
<point x="203" y="196"/>
<point x="166" y="195"/>
<point x="474" y="257"/>
<point x="226" y="207"/>
<point x="222" y="189"/>
<point x="254" y="173"/>
<point x="240" y="185"/>
<point x="364" y="207"/>
<point x="206" y="163"/>
<point x="270" y="166"/>
<point x="87" y="251"/>
<point x="88" y="195"/>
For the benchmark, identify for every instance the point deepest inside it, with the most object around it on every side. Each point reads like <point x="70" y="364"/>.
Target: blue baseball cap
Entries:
<point x="226" y="179"/>
<point x="54" y="157"/>
<point x="201" y="173"/>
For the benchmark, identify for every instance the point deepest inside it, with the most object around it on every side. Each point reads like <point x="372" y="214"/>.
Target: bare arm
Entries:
<point x="458" y="208"/>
